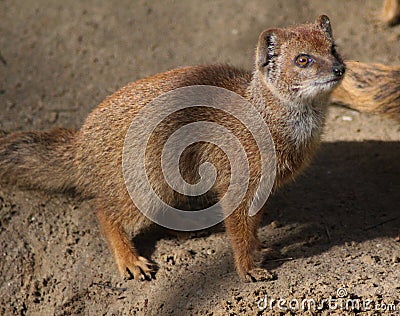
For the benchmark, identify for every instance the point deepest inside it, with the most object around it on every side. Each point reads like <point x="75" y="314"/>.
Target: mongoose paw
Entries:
<point x="259" y="275"/>
<point x="138" y="268"/>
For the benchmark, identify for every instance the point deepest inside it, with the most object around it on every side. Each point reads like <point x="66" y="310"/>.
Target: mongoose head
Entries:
<point x="299" y="63"/>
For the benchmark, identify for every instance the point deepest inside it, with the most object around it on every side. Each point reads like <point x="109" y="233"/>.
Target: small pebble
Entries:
<point x="275" y="224"/>
<point x="370" y="259"/>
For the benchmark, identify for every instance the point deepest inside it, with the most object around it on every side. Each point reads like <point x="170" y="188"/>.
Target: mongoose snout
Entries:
<point x="338" y="69"/>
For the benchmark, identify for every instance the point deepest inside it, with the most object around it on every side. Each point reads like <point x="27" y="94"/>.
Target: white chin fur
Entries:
<point x="316" y="89"/>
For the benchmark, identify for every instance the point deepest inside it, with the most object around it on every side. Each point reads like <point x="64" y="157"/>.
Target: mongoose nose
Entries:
<point x="338" y="69"/>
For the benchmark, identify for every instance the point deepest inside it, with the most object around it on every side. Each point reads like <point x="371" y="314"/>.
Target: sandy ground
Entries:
<point x="335" y="226"/>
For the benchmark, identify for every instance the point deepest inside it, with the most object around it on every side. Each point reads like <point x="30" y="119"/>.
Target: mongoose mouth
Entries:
<point x="330" y="82"/>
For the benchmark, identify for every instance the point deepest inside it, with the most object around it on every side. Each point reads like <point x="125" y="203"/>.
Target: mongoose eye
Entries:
<point x="303" y="60"/>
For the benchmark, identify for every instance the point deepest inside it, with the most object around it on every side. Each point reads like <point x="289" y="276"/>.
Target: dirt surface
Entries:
<point x="335" y="226"/>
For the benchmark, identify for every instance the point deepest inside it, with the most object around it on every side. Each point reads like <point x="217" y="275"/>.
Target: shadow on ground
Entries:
<point x="349" y="194"/>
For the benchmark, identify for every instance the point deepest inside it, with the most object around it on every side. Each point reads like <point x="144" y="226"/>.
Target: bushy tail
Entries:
<point x="39" y="160"/>
<point x="372" y="88"/>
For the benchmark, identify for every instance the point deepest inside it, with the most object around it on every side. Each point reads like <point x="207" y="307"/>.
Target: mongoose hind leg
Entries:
<point x="128" y="261"/>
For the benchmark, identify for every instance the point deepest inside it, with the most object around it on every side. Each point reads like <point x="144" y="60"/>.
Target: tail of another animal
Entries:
<point x="372" y="88"/>
<point x="39" y="160"/>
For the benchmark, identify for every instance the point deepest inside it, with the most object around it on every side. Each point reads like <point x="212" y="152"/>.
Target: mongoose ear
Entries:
<point x="325" y="24"/>
<point x="268" y="47"/>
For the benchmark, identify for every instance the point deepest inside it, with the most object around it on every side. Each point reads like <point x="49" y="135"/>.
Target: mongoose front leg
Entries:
<point x="242" y="231"/>
<point x="128" y="261"/>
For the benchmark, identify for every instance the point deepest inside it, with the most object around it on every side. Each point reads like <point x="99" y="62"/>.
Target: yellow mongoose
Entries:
<point x="295" y="72"/>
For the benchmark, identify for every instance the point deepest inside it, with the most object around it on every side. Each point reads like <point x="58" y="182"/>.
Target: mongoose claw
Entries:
<point x="139" y="269"/>
<point x="259" y="275"/>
